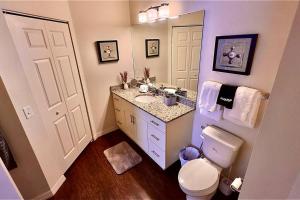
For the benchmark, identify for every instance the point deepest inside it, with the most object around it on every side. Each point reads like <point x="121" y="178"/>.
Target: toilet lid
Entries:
<point x="198" y="175"/>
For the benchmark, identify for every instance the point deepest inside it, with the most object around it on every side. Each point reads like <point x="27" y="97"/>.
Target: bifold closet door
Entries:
<point x="53" y="77"/>
<point x="64" y="57"/>
<point x="186" y="47"/>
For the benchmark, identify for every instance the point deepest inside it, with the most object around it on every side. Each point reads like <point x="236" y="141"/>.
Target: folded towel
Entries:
<point x="6" y="155"/>
<point x="208" y="96"/>
<point x="216" y="115"/>
<point x="226" y="96"/>
<point x="245" y="107"/>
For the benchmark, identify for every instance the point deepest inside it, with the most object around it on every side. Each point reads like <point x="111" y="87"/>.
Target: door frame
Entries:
<point x="77" y="59"/>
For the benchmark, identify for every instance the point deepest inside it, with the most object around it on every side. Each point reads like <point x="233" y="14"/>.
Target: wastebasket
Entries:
<point x="188" y="153"/>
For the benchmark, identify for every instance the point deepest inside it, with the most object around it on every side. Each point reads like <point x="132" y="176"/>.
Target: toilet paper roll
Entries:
<point x="236" y="184"/>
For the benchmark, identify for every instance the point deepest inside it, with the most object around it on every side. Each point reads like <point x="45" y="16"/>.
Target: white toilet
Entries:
<point x="199" y="178"/>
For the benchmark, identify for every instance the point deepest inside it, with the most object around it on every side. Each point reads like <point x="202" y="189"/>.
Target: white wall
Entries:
<point x="274" y="167"/>
<point x="21" y="149"/>
<point x="8" y="189"/>
<point x="95" y="21"/>
<point x="158" y="65"/>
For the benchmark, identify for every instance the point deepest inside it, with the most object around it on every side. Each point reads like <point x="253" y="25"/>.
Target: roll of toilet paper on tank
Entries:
<point x="236" y="184"/>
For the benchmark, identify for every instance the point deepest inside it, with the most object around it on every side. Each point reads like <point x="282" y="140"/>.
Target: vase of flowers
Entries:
<point x="147" y="75"/>
<point x="124" y="80"/>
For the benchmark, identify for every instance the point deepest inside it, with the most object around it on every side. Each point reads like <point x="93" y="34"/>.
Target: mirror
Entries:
<point x="171" y="49"/>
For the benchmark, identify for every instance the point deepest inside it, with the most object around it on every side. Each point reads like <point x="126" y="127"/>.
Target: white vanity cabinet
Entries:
<point x="161" y="141"/>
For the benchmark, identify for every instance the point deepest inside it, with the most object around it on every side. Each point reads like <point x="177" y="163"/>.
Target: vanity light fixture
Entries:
<point x="152" y="14"/>
<point x="163" y="11"/>
<point x="142" y="17"/>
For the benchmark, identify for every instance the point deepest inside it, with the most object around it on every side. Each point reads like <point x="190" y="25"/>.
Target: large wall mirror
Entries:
<point x="171" y="49"/>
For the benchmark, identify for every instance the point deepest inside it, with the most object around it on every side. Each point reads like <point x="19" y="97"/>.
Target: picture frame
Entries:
<point x="107" y="51"/>
<point x="152" y="47"/>
<point x="234" y="53"/>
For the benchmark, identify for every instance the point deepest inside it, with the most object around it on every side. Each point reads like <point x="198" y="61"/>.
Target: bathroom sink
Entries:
<point x="145" y="98"/>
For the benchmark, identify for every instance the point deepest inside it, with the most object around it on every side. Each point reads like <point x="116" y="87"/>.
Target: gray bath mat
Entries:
<point x="122" y="157"/>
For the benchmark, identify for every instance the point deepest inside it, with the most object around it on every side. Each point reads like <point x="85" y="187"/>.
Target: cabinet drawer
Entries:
<point x="157" y="155"/>
<point x="157" y="123"/>
<point x="156" y="136"/>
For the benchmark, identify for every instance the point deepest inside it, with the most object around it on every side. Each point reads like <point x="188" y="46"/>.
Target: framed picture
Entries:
<point x="152" y="47"/>
<point x="234" y="53"/>
<point x="108" y="51"/>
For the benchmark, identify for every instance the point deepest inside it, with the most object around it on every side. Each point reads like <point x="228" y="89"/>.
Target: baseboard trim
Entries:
<point x="52" y="191"/>
<point x="105" y="131"/>
<point x="57" y="185"/>
<point x="44" y="196"/>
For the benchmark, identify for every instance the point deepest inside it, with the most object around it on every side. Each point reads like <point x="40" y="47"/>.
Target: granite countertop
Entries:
<point x="156" y="108"/>
<point x="191" y="95"/>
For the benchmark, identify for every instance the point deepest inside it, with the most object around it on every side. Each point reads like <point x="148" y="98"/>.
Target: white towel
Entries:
<point x="245" y="107"/>
<point x="216" y="115"/>
<point x="208" y="96"/>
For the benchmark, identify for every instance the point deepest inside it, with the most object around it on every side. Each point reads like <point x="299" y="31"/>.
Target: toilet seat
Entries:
<point x="198" y="178"/>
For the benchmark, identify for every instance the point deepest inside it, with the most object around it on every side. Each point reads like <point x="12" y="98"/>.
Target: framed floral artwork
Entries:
<point x="152" y="47"/>
<point x="108" y="51"/>
<point x="234" y="53"/>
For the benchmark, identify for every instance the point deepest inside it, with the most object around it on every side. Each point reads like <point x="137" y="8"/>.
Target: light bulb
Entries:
<point x="142" y="17"/>
<point x="152" y="14"/>
<point x="163" y="11"/>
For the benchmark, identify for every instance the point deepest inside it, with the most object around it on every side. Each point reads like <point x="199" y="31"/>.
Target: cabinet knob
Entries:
<point x="155" y="123"/>
<point x="155" y="137"/>
<point x="155" y="153"/>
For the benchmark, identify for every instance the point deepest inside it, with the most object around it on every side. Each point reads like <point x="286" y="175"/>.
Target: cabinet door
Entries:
<point x="119" y="111"/>
<point x="32" y="43"/>
<point x="141" y="133"/>
<point x="120" y="118"/>
<point x="66" y="66"/>
<point x="129" y="121"/>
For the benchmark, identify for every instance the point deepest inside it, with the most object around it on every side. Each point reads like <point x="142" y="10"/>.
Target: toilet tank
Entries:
<point x="220" y="146"/>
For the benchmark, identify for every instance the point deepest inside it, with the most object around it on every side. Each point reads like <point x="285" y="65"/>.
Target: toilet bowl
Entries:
<point x="199" y="179"/>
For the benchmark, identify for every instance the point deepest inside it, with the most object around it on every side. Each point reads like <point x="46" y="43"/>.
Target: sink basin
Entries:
<point x="145" y="98"/>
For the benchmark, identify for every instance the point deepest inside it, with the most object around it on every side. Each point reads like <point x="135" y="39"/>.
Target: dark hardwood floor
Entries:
<point x="92" y="177"/>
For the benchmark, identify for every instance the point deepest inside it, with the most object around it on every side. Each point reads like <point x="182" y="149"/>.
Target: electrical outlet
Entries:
<point x="28" y="112"/>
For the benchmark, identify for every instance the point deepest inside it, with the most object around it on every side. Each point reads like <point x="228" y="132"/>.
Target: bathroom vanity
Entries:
<point x="160" y="130"/>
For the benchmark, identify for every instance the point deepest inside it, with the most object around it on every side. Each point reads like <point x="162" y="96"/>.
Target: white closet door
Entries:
<point x="186" y="47"/>
<point x="31" y="39"/>
<point x="180" y="56"/>
<point x="195" y="50"/>
<point x="62" y="49"/>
